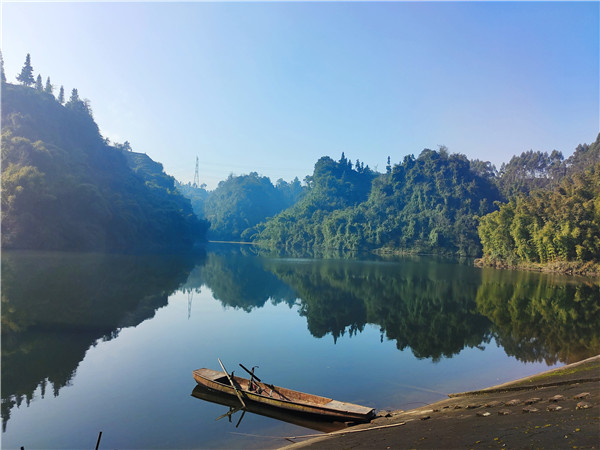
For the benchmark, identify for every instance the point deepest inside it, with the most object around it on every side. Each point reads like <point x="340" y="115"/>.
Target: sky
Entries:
<point x="270" y="87"/>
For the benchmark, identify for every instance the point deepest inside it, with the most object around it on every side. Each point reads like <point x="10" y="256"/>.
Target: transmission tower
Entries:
<point x="196" y="176"/>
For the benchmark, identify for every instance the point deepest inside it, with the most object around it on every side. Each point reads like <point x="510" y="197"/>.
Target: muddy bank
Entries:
<point x="555" y="409"/>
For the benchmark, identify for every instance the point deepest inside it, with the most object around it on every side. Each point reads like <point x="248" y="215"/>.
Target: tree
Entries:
<point x="125" y="146"/>
<point x="49" y="89"/>
<point x="74" y="96"/>
<point x="61" y="95"/>
<point x="38" y="84"/>
<point x="26" y="75"/>
<point x="2" y="74"/>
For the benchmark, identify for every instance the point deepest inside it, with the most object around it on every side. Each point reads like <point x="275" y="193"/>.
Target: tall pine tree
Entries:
<point x="74" y="100"/>
<point x="2" y="74"/>
<point x="26" y="75"/>
<point x="49" y="89"/>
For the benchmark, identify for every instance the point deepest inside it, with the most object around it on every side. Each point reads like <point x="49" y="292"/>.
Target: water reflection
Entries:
<point x="56" y="305"/>
<point x="540" y="317"/>
<point x="428" y="307"/>
<point x="240" y="281"/>
<point x="303" y="420"/>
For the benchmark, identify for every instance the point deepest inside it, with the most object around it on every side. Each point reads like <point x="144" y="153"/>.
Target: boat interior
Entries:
<point x="273" y="391"/>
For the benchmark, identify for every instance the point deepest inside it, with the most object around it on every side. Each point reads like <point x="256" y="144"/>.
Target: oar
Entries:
<point x="232" y="385"/>
<point x="229" y="413"/>
<point x="254" y="377"/>
<point x="266" y="384"/>
<point x="251" y="373"/>
<point x="241" y="417"/>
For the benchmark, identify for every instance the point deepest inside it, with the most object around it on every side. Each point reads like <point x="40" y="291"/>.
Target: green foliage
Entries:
<point x="426" y="204"/>
<point x="55" y="305"/>
<point x="562" y="224"/>
<point x="2" y="73"/>
<point x="585" y="156"/>
<point x="78" y="105"/>
<point x="64" y="188"/>
<point x="529" y="171"/>
<point x="320" y="219"/>
<point x="425" y="306"/>
<point x="49" y="89"/>
<point x="25" y="77"/>
<point x="240" y="281"/>
<point x="241" y="202"/>
<point x="539" y="317"/>
<point x="430" y="204"/>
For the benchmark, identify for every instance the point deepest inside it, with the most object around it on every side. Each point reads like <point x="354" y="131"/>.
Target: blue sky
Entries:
<point x="273" y="86"/>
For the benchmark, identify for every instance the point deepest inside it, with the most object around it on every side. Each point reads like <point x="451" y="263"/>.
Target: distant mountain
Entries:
<point x="64" y="187"/>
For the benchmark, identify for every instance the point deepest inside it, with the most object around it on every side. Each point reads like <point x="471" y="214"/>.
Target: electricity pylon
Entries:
<point x="196" y="176"/>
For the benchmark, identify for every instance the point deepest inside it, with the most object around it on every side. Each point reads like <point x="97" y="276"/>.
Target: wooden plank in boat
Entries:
<point x="351" y="407"/>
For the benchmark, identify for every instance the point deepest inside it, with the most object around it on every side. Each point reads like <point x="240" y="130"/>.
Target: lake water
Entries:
<point x="107" y="343"/>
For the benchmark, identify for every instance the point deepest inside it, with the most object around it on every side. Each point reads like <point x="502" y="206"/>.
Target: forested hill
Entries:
<point x="241" y="202"/>
<point x="64" y="187"/>
<point x="550" y="225"/>
<point x="426" y="204"/>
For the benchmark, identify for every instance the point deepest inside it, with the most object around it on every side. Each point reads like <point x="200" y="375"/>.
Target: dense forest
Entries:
<point x="558" y="221"/>
<point x="538" y="207"/>
<point x="64" y="187"/>
<point x="241" y="202"/>
<point x="425" y="204"/>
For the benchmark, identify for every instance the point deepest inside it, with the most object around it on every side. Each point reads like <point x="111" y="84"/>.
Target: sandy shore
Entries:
<point x="555" y="409"/>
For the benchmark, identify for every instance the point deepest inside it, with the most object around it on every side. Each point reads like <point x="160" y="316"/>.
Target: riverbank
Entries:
<point x="586" y="269"/>
<point x="555" y="409"/>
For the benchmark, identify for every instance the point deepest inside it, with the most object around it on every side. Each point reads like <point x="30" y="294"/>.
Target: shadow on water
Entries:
<point x="57" y="305"/>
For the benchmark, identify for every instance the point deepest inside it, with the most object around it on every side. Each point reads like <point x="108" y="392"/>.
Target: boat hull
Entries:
<point x="319" y="423"/>
<point x="282" y="398"/>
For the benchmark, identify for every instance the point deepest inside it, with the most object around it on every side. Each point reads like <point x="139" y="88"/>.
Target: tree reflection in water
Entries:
<point x="542" y="317"/>
<point x="57" y="305"/>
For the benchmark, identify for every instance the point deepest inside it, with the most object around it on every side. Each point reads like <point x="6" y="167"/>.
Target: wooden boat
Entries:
<point x="311" y="421"/>
<point x="256" y="391"/>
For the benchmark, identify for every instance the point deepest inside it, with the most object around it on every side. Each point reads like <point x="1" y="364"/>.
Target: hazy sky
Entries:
<point x="273" y="86"/>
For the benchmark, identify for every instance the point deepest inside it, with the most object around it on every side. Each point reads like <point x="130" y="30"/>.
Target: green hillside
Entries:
<point x="65" y="188"/>
<point x="552" y="225"/>
<point x="425" y="204"/>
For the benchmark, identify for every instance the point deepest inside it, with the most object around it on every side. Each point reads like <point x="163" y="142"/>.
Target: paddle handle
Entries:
<point x="232" y="384"/>
<point x="251" y="373"/>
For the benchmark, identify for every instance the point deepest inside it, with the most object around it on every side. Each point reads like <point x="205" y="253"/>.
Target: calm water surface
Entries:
<point x="108" y="343"/>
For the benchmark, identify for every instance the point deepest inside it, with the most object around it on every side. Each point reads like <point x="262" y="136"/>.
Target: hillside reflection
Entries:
<point x="239" y="280"/>
<point x="56" y="305"/>
<point x="428" y="307"/>
<point x="541" y="317"/>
